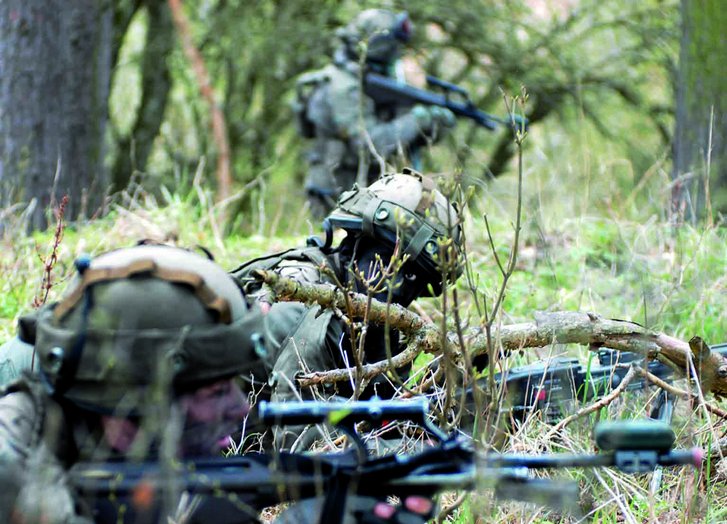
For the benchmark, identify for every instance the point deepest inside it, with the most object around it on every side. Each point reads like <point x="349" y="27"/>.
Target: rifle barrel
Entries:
<point x="692" y="457"/>
<point x="387" y="90"/>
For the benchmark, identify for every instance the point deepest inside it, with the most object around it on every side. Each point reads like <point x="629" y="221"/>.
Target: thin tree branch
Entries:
<point x="596" y="406"/>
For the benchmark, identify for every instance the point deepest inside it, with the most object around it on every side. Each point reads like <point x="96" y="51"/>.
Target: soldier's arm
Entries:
<point x="354" y="117"/>
<point x="18" y="416"/>
<point x="32" y="482"/>
<point x="15" y="356"/>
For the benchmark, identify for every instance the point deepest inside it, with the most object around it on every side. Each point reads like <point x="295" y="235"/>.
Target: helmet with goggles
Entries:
<point x="142" y="320"/>
<point x="381" y="31"/>
<point x="406" y="208"/>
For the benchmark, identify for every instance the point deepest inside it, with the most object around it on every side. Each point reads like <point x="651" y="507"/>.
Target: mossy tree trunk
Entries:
<point x="700" y="145"/>
<point x="54" y="85"/>
<point x="134" y="149"/>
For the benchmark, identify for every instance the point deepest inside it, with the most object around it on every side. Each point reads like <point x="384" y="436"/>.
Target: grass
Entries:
<point x="590" y="242"/>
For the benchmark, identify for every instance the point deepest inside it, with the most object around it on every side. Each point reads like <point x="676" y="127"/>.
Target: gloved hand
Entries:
<point x="433" y="118"/>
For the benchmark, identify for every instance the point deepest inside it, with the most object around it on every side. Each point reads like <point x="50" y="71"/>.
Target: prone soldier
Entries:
<point x="138" y="361"/>
<point x="400" y="213"/>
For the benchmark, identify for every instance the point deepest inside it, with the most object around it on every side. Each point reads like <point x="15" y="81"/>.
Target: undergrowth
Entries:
<point x="610" y="250"/>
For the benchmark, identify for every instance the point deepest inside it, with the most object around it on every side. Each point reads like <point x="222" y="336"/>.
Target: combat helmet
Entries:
<point x="381" y="30"/>
<point x="408" y="208"/>
<point x="143" y="321"/>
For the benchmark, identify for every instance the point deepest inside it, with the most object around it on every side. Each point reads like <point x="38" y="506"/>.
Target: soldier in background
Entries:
<point x="400" y="213"/>
<point x="138" y="361"/>
<point x="353" y="136"/>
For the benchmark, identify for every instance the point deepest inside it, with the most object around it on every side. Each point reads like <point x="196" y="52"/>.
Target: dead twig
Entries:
<point x="678" y="392"/>
<point x="50" y="261"/>
<point x="448" y="510"/>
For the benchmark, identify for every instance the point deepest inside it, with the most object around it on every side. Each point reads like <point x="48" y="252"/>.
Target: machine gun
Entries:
<point x="553" y="388"/>
<point x="253" y="482"/>
<point x="388" y="91"/>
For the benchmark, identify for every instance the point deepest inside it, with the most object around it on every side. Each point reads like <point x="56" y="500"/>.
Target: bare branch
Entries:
<point x="549" y="328"/>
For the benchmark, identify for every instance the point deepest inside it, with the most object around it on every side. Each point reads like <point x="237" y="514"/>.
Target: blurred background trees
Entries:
<point x="602" y="69"/>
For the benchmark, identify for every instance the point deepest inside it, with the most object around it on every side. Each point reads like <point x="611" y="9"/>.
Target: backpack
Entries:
<point x="306" y="85"/>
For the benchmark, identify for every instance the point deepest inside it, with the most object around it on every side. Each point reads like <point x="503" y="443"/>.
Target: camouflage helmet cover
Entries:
<point x="407" y="208"/>
<point x="141" y="317"/>
<point x="381" y="30"/>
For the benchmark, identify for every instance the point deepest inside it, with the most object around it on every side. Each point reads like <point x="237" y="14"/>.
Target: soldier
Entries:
<point x="138" y="360"/>
<point x="354" y="135"/>
<point x="400" y="213"/>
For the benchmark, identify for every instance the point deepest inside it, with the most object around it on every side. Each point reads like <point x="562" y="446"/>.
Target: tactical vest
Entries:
<point x="296" y="330"/>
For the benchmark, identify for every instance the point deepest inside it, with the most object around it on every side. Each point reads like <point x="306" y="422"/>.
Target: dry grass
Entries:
<point x="578" y="252"/>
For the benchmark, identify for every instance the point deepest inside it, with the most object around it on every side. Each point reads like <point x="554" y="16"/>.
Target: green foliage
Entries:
<point x="596" y="233"/>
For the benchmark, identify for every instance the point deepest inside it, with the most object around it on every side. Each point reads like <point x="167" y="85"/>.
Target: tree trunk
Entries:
<point x="204" y="83"/>
<point x="156" y="82"/>
<point x="700" y="146"/>
<point x="54" y="85"/>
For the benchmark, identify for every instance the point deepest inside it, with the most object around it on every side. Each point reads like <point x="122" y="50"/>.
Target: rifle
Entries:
<point x="388" y="91"/>
<point x="253" y="482"/>
<point x="553" y="387"/>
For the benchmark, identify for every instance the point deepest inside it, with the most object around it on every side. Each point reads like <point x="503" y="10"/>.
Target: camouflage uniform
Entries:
<point x="138" y="327"/>
<point x="341" y="120"/>
<point x="15" y="356"/>
<point x="403" y="207"/>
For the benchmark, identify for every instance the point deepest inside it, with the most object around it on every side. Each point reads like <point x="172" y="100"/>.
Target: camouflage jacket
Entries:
<point x="32" y="476"/>
<point x="306" y="337"/>
<point x="352" y="133"/>
<point x="303" y="337"/>
<point x="15" y="357"/>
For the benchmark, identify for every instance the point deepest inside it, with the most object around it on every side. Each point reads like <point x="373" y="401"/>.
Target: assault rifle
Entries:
<point x="253" y="482"/>
<point x="386" y="90"/>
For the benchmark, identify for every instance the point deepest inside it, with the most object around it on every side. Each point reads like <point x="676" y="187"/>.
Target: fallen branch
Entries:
<point x="549" y="328"/>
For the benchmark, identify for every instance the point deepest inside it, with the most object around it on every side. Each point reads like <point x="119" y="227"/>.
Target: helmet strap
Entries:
<point x="70" y="364"/>
<point x="367" y="224"/>
<point x="354" y="241"/>
<point x="323" y="245"/>
<point x="328" y="230"/>
<point x="416" y="245"/>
